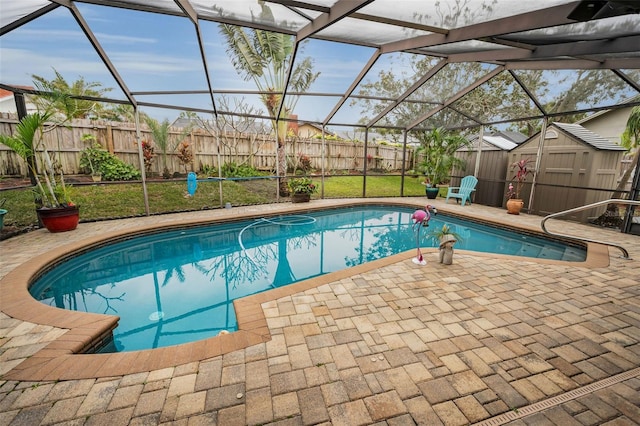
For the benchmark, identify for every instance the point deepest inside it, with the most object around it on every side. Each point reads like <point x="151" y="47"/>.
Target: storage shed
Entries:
<point x="577" y="167"/>
<point x="494" y="157"/>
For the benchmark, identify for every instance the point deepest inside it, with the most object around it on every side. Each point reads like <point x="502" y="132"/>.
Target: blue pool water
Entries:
<point x="178" y="286"/>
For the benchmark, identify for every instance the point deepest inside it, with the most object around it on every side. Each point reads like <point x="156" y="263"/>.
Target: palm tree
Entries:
<point x="631" y="141"/>
<point x="263" y="56"/>
<point x="46" y="175"/>
<point x="438" y="148"/>
<point x="162" y="137"/>
<point x="68" y="105"/>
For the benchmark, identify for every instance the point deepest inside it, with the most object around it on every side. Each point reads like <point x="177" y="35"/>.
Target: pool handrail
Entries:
<point x="625" y="253"/>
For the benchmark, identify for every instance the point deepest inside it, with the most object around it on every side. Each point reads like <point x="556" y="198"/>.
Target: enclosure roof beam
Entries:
<point x="96" y="45"/>
<point x="372" y="60"/>
<point x="543" y="18"/>
<point x="627" y="80"/>
<point x="32" y="91"/>
<point x="287" y="80"/>
<point x="188" y="10"/>
<point x="457" y="96"/>
<point x="415" y="86"/>
<point x="337" y="12"/>
<point x="529" y="93"/>
<point x="28" y="18"/>
<point x="191" y="13"/>
<point x="594" y="47"/>
<point x="572" y="64"/>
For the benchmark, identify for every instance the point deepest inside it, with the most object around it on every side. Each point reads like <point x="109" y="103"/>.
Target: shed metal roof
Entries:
<point x="500" y="142"/>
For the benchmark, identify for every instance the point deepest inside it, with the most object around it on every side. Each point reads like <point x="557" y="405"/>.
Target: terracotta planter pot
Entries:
<point x="300" y="198"/>
<point x="514" y="205"/>
<point x="60" y="219"/>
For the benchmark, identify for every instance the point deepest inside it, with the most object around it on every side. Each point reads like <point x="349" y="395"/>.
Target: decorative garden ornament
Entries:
<point x="421" y="220"/>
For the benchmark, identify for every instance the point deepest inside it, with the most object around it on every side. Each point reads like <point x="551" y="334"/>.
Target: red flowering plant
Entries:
<point x="148" y="152"/>
<point x="185" y="154"/>
<point x="521" y="172"/>
<point x="304" y="162"/>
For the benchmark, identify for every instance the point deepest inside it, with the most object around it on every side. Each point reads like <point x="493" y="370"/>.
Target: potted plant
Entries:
<point x="514" y="202"/>
<point x="55" y="209"/>
<point x="446" y="238"/>
<point x="438" y="148"/>
<point x="301" y="189"/>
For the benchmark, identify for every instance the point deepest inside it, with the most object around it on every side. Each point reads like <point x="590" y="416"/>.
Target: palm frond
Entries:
<point x="303" y="76"/>
<point x="245" y="59"/>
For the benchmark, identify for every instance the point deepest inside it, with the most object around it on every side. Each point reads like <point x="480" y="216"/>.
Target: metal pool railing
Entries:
<point x="625" y="253"/>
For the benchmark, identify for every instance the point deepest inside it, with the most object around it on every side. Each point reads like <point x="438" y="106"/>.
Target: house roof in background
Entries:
<point x="5" y="94"/>
<point x="605" y="111"/>
<point x="589" y="137"/>
<point x="315" y="126"/>
<point x="9" y="94"/>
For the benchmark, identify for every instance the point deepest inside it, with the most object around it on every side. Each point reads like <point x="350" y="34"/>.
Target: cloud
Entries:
<point x="41" y="63"/>
<point x="154" y="63"/>
<point x="43" y="35"/>
<point x="120" y="39"/>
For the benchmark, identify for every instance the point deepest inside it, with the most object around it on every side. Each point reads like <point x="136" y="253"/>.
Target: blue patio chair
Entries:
<point x="463" y="192"/>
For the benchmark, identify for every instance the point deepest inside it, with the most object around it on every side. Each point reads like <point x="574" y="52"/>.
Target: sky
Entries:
<point x="159" y="54"/>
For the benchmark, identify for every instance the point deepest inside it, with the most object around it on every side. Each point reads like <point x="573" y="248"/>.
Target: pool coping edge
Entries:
<point x="61" y="360"/>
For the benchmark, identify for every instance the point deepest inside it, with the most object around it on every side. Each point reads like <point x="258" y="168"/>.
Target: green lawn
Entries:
<point x="376" y="186"/>
<point x="117" y="200"/>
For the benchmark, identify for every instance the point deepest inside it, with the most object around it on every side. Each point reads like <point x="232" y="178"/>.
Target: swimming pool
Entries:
<point x="178" y="286"/>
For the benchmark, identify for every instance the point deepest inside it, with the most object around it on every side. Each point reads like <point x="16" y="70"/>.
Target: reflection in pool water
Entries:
<point x="178" y="286"/>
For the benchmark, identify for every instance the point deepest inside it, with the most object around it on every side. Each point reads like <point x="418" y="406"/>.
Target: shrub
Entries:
<point x="208" y="170"/>
<point x="238" y="170"/>
<point x="110" y="166"/>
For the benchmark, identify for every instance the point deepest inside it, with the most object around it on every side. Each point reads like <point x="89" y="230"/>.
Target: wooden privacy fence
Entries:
<point x="256" y="150"/>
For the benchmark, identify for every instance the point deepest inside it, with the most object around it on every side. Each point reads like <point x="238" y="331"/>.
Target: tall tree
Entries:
<point x="630" y="139"/>
<point x="229" y="128"/>
<point x="499" y="99"/>
<point x="120" y="113"/>
<point x="264" y="56"/>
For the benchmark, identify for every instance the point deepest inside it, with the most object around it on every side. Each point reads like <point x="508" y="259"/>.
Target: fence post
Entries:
<point x="109" y="139"/>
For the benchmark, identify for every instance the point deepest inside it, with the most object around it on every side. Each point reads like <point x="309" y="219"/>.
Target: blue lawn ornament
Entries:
<point x="192" y="183"/>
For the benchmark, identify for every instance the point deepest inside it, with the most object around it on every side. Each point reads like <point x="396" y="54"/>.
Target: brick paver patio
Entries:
<point x="490" y="340"/>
